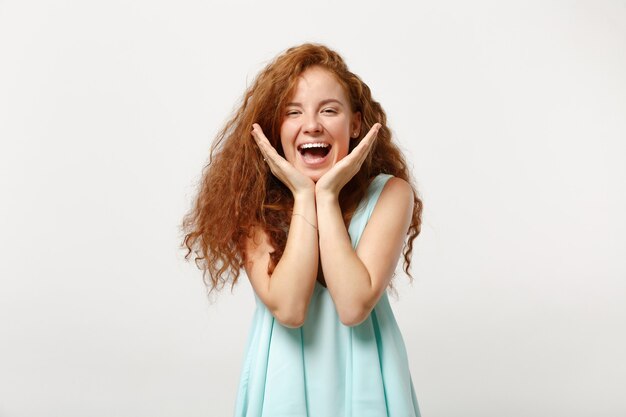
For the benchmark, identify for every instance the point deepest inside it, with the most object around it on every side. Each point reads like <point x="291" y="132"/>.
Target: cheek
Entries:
<point x="344" y="149"/>
<point x="340" y="129"/>
<point x="288" y="135"/>
<point x="286" y="132"/>
<point x="288" y="150"/>
<point x="341" y="133"/>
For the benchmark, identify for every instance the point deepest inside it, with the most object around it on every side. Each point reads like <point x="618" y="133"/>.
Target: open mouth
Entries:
<point x="314" y="153"/>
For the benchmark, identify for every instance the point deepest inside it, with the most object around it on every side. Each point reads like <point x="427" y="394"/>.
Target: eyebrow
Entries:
<point x="328" y="100"/>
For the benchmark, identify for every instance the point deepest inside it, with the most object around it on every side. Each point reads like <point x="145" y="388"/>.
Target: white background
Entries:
<point x="512" y="115"/>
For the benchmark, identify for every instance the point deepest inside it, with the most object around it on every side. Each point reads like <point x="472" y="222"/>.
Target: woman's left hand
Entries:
<point x="342" y="172"/>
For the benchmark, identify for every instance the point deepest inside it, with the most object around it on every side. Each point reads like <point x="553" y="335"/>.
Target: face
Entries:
<point x="318" y="123"/>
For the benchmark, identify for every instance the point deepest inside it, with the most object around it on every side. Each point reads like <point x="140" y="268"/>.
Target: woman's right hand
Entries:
<point x="296" y="181"/>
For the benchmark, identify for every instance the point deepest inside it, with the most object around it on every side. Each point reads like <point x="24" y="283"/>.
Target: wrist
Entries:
<point x="304" y="196"/>
<point x="324" y="197"/>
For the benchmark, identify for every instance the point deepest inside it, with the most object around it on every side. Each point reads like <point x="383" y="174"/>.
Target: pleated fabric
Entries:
<point x="324" y="368"/>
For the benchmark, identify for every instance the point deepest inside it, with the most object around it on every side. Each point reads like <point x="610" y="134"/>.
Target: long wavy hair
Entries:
<point x="238" y="192"/>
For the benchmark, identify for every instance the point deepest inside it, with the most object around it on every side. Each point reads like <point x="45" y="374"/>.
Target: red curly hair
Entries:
<point x="238" y="192"/>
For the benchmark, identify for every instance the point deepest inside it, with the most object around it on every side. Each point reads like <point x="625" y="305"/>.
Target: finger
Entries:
<point x="262" y="142"/>
<point x="257" y="133"/>
<point x="364" y="147"/>
<point x="268" y="150"/>
<point x="370" y="136"/>
<point x="261" y="150"/>
<point x="271" y="156"/>
<point x="260" y="137"/>
<point x="373" y="133"/>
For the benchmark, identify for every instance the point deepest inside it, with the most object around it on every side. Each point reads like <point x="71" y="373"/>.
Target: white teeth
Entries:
<point x="313" y="145"/>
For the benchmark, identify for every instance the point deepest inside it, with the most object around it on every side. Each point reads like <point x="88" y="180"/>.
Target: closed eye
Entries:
<point x="329" y="111"/>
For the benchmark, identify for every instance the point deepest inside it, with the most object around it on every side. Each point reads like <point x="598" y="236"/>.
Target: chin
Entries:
<point x="315" y="177"/>
<point x="314" y="174"/>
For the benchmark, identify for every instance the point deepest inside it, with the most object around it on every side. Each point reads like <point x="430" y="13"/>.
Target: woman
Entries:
<point x="306" y="191"/>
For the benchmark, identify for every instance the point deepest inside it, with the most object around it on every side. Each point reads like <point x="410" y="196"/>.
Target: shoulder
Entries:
<point x="396" y="192"/>
<point x="384" y="234"/>
<point x="256" y="244"/>
<point x="398" y="185"/>
<point x="392" y="211"/>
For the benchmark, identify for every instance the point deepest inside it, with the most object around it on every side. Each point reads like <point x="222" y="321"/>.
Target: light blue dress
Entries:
<point x="324" y="368"/>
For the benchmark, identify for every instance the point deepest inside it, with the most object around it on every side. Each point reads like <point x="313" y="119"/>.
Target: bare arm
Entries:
<point x="357" y="279"/>
<point x="287" y="292"/>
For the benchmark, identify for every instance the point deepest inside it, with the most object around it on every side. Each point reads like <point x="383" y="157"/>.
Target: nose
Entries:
<point x="312" y="125"/>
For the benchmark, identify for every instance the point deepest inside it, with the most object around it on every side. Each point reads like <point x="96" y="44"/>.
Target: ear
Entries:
<point x="355" y="125"/>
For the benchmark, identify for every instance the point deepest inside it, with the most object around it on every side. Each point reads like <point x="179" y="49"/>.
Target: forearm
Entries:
<point x="346" y="276"/>
<point x="293" y="280"/>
